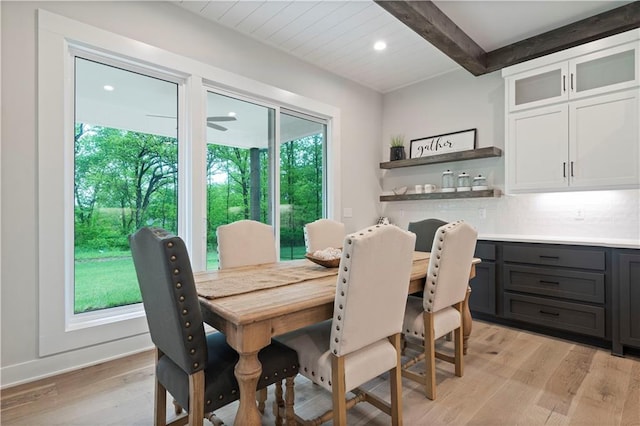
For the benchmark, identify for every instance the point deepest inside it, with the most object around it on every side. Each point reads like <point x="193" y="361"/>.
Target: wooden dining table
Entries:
<point x="252" y="304"/>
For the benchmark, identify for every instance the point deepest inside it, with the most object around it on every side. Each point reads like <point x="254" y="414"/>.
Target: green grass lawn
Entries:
<point x="108" y="279"/>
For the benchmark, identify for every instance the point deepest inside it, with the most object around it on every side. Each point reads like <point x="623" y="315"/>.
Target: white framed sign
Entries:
<point x="441" y="144"/>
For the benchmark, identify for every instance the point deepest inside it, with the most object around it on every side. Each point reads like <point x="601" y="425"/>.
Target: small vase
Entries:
<point x="397" y="153"/>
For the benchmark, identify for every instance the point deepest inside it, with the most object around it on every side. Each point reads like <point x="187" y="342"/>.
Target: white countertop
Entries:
<point x="581" y="241"/>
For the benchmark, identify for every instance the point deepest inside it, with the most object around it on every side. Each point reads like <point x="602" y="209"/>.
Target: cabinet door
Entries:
<point x="604" y="71"/>
<point x="538" y="87"/>
<point x="483" y="289"/>
<point x="604" y="141"/>
<point x="537" y="149"/>
<point x="629" y="287"/>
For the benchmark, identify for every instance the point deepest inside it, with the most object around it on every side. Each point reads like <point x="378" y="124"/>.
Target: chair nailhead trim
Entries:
<point x="187" y="324"/>
<point x="173" y="257"/>
<point x="170" y="244"/>
<point x="176" y="271"/>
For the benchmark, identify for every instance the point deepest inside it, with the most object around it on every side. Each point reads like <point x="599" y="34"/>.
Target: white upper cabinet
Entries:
<point x="541" y="86"/>
<point x="604" y="141"/>
<point x="603" y="71"/>
<point x="573" y="119"/>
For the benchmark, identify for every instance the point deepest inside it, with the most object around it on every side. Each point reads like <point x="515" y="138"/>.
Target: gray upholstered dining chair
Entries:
<point x="425" y="230"/>
<point x="362" y="340"/>
<point x="196" y="369"/>
<point x="323" y="233"/>
<point x="439" y="311"/>
<point x="244" y="243"/>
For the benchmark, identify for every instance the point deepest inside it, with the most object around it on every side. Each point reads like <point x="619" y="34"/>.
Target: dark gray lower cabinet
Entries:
<point x="626" y="283"/>
<point x="587" y="293"/>
<point x="556" y="286"/>
<point x="483" y="286"/>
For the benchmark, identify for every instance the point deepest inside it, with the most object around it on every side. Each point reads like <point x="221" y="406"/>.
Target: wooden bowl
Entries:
<point x="327" y="263"/>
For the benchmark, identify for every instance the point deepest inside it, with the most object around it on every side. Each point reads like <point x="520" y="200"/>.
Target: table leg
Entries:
<point x="248" y="372"/>
<point x="467" y="321"/>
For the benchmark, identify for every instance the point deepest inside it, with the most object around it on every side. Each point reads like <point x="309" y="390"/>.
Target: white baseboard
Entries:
<point x="41" y="368"/>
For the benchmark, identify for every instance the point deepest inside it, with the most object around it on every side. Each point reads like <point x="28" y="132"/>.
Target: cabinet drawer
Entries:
<point x="566" y="316"/>
<point x="485" y="251"/>
<point x="576" y="285"/>
<point x="556" y="256"/>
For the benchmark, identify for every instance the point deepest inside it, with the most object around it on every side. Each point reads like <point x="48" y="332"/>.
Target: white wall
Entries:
<point x="458" y="101"/>
<point x="171" y="28"/>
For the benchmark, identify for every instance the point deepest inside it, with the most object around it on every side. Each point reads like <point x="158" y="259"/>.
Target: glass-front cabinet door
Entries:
<point x="538" y="87"/>
<point x="604" y="71"/>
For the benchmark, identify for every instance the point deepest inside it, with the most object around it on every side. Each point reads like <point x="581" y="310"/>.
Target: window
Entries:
<point x="125" y="177"/>
<point x="96" y="154"/>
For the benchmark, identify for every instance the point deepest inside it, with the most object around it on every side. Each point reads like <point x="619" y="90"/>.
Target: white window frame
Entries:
<point x="57" y="37"/>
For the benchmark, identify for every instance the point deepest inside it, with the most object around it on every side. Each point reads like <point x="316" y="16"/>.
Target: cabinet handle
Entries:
<point x="564" y="169"/>
<point x="572" y="169"/>
<point x="555" y="314"/>
<point x="549" y="282"/>
<point x="542" y="256"/>
<point x="572" y="82"/>
<point x="564" y="83"/>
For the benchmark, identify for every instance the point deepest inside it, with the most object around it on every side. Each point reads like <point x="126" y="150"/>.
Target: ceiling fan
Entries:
<point x="210" y="120"/>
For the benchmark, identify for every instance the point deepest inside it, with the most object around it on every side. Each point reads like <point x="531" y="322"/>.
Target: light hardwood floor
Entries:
<point x="511" y="377"/>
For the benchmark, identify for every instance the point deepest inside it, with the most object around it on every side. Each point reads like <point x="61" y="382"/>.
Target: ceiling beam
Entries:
<point x="430" y="23"/>
<point x="605" y="24"/>
<point x="433" y="25"/>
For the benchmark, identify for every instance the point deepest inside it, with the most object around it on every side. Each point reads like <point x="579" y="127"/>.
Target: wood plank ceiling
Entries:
<point x="480" y="35"/>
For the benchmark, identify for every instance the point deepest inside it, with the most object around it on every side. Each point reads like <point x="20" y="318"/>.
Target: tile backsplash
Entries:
<point x="586" y="214"/>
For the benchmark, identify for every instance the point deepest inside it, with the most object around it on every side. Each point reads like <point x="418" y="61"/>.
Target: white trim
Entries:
<point x="56" y="35"/>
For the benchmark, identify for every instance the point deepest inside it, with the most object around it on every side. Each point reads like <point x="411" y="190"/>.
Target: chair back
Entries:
<point x="169" y="297"/>
<point x="372" y="287"/>
<point x="244" y="243"/>
<point x="323" y="233"/>
<point x="425" y="230"/>
<point x="449" y="266"/>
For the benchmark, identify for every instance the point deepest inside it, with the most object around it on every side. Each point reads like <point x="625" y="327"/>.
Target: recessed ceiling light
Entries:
<point x="231" y="114"/>
<point x="380" y="45"/>
<point x="108" y="88"/>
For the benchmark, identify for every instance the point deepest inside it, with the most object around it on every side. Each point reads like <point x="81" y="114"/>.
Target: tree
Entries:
<point x="135" y="173"/>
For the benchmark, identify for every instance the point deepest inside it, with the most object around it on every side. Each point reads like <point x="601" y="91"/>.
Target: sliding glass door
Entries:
<point x="302" y="178"/>
<point x="242" y="176"/>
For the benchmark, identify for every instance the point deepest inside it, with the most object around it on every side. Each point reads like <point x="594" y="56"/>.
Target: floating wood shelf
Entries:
<point x="471" y="154"/>
<point x="442" y="195"/>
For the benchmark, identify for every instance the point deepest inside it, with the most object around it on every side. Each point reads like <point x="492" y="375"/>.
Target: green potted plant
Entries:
<point x="397" y="148"/>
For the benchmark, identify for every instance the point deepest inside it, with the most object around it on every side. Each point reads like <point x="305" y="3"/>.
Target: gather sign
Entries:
<point x="441" y="144"/>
